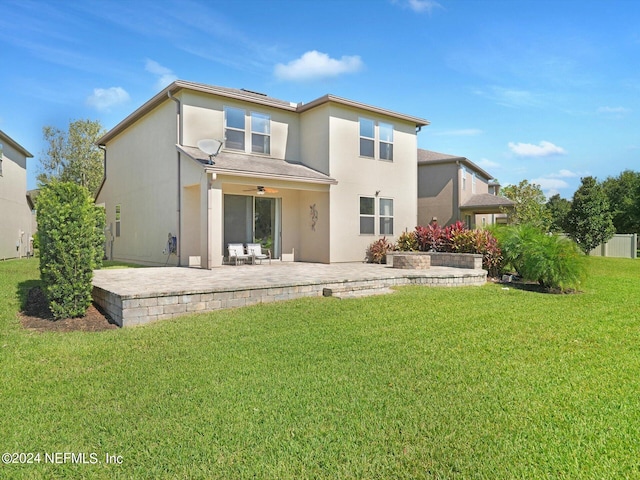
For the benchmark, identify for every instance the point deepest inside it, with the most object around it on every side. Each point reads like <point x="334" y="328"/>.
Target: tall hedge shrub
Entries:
<point x="71" y="231"/>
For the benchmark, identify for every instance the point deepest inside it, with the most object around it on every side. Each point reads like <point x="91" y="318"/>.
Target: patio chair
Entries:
<point x="255" y="250"/>
<point x="236" y="253"/>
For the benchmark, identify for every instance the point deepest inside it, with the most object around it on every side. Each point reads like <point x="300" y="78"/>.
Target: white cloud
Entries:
<point x="511" y="97"/>
<point x="314" y="65"/>
<point x="418" y="6"/>
<point x="105" y="98"/>
<point x="465" y="132"/>
<point x="486" y="163"/>
<point x="563" y="174"/>
<point x="613" y="110"/>
<point x="423" y="5"/>
<point x="165" y="75"/>
<point x="543" y="149"/>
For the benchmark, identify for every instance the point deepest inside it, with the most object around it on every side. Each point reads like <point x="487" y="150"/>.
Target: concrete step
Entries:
<point x="356" y="289"/>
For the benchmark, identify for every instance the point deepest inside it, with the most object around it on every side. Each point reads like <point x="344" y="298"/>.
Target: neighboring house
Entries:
<point x="15" y="213"/>
<point x="452" y="188"/>
<point x="320" y="180"/>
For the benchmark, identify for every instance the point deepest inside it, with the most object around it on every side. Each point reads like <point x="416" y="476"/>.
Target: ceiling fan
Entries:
<point x="260" y="190"/>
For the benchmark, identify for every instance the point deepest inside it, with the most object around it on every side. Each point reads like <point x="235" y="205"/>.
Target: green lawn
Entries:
<point x="425" y="383"/>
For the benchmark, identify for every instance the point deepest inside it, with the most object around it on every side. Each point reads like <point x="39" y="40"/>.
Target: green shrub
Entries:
<point x="554" y="262"/>
<point x="377" y="251"/>
<point x="71" y="235"/>
<point x="407" y="242"/>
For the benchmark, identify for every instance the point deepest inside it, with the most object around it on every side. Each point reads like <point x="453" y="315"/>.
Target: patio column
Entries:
<point x="215" y="247"/>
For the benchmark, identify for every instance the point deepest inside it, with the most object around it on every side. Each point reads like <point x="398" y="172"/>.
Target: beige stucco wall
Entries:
<point x="141" y="176"/>
<point x="437" y="193"/>
<point x="203" y="117"/>
<point x="314" y="138"/>
<point x="15" y="216"/>
<point x="360" y="176"/>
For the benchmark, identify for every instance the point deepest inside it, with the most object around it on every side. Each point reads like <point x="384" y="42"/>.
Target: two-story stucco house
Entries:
<point x="320" y="180"/>
<point x="15" y="213"/>
<point x="452" y="188"/>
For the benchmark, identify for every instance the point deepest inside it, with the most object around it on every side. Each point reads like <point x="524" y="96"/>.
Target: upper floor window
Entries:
<point x="473" y="182"/>
<point x="260" y="133"/>
<point x="1" y="152"/>
<point x="376" y="133"/>
<point x="463" y="171"/>
<point x="386" y="141"/>
<point x="367" y="138"/>
<point x="235" y="131"/>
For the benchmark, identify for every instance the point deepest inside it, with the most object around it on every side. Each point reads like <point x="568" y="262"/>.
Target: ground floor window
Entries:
<point x="118" y="213"/>
<point x="386" y="216"/>
<point x="369" y="214"/>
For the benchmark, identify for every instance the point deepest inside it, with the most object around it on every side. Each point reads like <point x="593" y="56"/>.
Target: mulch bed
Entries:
<point x="36" y="316"/>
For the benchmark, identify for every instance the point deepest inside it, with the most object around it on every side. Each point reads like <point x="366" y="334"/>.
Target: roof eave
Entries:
<point x="419" y="122"/>
<point x="7" y="139"/>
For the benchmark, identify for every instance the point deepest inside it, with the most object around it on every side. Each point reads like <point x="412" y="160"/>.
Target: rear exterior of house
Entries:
<point x="314" y="182"/>
<point x="452" y="188"/>
<point x="16" y="226"/>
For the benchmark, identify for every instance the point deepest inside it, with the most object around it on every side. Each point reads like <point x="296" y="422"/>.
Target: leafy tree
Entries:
<point x="589" y="221"/>
<point x="558" y="209"/>
<point x="73" y="156"/>
<point x="71" y="233"/>
<point x="529" y="205"/>
<point x="622" y="194"/>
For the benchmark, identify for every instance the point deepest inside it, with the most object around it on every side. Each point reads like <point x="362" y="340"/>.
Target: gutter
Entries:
<point x="179" y="192"/>
<point x="104" y="169"/>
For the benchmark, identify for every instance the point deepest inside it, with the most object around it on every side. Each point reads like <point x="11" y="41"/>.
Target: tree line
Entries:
<point x="597" y="211"/>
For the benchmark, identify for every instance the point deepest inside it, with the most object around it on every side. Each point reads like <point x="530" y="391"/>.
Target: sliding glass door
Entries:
<point x="250" y="219"/>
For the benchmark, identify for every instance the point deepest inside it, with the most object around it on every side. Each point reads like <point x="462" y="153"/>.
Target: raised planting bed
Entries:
<point x="425" y="260"/>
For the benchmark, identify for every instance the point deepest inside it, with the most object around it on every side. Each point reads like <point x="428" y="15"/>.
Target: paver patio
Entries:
<point x="141" y="295"/>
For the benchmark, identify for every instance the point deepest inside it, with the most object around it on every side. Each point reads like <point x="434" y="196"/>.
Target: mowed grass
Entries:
<point x="425" y="383"/>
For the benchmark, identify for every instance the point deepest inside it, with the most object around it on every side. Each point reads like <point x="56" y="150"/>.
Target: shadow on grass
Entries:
<point x="23" y="289"/>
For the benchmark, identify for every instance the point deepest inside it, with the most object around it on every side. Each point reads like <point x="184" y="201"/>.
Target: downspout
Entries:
<point x="179" y="141"/>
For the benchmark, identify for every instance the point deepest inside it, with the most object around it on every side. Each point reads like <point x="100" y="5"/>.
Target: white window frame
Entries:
<point x="382" y="217"/>
<point x="473" y="182"/>
<point x="249" y="130"/>
<point x="384" y="142"/>
<point x="463" y="170"/>
<point x="361" y="215"/>
<point x="367" y="138"/>
<point x="1" y="158"/>
<point x="266" y="136"/>
<point x="118" y="218"/>
<point x="376" y="140"/>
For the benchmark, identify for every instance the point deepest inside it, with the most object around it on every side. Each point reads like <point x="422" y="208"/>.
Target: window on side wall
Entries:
<point x="463" y="171"/>
<point x="386" y="141"/>
<point x="367" y="215"/>
<point x="473" y="182"/>
<point x="118" y="213"/>
<point x="234" y="128"/>
<point x="1" y="153"/>
<point x="386" y="216"/>
<point x="260" y="133"/>
<point x="367" y="138"/>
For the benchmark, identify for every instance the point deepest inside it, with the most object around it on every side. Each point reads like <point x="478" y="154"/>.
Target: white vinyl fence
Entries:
<point x="621" y="245"/>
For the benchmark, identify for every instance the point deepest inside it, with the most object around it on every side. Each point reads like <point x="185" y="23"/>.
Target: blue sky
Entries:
<point x="547" y="91"/>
